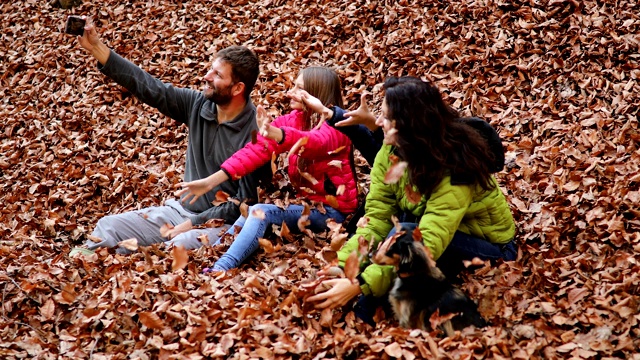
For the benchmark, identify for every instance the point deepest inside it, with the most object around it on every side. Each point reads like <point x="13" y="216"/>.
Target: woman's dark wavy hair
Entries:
<point x="431" y="139"/>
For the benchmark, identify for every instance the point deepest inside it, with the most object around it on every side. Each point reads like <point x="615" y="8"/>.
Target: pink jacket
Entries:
<point x="327" y="156"/>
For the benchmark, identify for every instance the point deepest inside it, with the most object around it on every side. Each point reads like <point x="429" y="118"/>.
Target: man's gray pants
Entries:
<point x="144" y="225"/>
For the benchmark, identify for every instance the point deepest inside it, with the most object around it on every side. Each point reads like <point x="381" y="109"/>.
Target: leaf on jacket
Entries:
<point x="332" y="201"/>
<point x="308" y="177"/>
<point x="340" y="190"/>
<point x="129" y="244"/>
<point x="180" y="257"/>
<point x="352" y="266"/>
<point x="413" y="196"/>
<point x="395" y="172"/>
<point x="336" y="163"/>
<point x="151" y="320"/>
<point x="337" y="151"/>
<point x="298" y="145"/>
<point x="393" y="158"/>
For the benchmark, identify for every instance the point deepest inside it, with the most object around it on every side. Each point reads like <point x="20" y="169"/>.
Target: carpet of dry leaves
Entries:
<point x="557" y="78"/>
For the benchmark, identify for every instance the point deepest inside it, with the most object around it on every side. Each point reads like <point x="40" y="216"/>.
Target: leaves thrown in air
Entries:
<point x="395" y="172"/>
<point x="180" y="257"/>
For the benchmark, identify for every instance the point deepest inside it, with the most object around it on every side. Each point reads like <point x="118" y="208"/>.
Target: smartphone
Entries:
<point x="75" y="25"/>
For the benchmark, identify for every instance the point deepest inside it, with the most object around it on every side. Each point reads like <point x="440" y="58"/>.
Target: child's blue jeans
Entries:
<point x="254" y="228"/>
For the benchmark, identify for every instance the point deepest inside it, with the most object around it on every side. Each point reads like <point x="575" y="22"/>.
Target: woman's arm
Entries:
<point x="445" y="210"/>
<point x="381" y="205"/>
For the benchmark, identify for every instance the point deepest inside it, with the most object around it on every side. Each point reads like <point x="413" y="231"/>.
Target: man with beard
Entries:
<point x="220" y="121"/>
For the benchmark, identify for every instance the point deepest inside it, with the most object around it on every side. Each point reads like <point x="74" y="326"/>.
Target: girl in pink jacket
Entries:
<point x="320" y="167"/>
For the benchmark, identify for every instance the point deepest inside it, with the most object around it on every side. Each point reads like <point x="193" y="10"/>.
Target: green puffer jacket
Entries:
<point x="483" y="214"/>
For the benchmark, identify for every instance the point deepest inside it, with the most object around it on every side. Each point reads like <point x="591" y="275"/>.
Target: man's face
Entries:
<point x="219" y="83"/>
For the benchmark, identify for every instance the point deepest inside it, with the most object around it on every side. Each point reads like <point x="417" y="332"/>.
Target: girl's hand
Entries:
<point x="340" y="292"/>
<point x="362" y="115"/>
<point x="195" y="189"/>
<point x="263" y="120"/>
<point x="311" y="102"/>
<point x="264" y="125"/>
<point x="200" y="187"/>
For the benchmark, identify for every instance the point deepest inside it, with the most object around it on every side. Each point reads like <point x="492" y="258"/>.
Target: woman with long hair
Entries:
<point x="321" y="170"/>
<point x="447" y="185"/>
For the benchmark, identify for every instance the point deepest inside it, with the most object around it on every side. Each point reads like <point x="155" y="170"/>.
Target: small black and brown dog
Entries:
<point x="421" y="290"/>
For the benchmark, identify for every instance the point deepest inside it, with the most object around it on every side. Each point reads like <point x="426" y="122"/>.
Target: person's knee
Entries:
<point x="105" y="228"/>
<point x="258" y="208"/>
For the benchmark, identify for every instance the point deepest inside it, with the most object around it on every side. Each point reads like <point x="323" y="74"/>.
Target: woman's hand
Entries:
<point x="361" y="115"/>
<point x="200" y="187"/>
<point x="339" y="293"/>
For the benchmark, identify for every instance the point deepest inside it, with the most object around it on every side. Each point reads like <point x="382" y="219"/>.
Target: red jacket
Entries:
<point x="326" y="154"/>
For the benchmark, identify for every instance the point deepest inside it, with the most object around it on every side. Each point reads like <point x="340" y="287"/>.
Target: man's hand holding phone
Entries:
<point x="85" y="30"/>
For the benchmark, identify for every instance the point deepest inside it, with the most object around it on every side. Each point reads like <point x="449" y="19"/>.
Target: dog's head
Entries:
<point x="408" y="254"/>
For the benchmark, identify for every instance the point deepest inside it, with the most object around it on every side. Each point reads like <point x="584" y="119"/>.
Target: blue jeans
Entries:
<point x="462" y="247"/>
<point x="254" y="228"/>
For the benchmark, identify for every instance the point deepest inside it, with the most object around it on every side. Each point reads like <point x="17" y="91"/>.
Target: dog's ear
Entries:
<point x="396" y="223"/>
<point x="433" y="267"/>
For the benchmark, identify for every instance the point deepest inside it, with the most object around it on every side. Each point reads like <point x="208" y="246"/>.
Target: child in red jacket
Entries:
<point x="321" y="169"/>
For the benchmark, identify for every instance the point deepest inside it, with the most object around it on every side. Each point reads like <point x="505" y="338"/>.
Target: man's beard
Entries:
<point x="220" y="96"/>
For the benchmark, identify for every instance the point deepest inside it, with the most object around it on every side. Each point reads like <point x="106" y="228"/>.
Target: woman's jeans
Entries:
<point x="254" y="228"/>
<point x="462" y="247"/>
